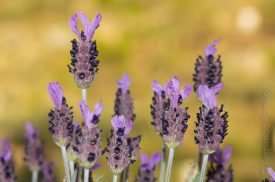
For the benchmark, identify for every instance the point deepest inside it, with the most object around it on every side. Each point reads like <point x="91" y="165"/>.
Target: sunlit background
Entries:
<point x="149" y="40"/>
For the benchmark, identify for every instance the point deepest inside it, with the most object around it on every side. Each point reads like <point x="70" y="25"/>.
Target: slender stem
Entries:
<point x="71" y="163"/>
<point x="86" y="174"/>
<point x="163" y="163"/>
<point x="169" y="165"/>
<point x="79" y="175"/>
<point x="126" y="177"/>
<point x="203" y="167"/>
<point x="34" y="175"/>
<point x="84" y="94"/>
<point x="66" y="164"/>
<point x="115" y="178"/>
<point x="122" y="174"/>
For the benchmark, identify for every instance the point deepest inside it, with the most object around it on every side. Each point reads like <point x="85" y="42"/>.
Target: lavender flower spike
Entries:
<point x="271" y="173"/>
<point x="61" y="117"/>
<point x="147" y="167"/>
<point x="208" y="69"/>
<point x="34" y="153"/>
<point x="88" y="147"/>
<point x="212" y="122"/>
<point x="124" y="102"/>
<point x="84" y="53"/>
<point x="6" y="164"/>
<point x="47" y="172"/>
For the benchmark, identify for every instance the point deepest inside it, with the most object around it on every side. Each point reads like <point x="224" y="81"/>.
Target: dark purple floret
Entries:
<point x="169" y="117"/>
<point x="61" y="117"/>
<point x="34" y="152"/>
<point x="124" y="102"/>
<point x="84" y="63"/>
<point x="73" y="149"/>
<point x="6" y="163"/>
<point x="208" y="69"/>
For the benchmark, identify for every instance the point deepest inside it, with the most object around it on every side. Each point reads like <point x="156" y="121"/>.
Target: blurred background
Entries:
<point x="149" y="40"/>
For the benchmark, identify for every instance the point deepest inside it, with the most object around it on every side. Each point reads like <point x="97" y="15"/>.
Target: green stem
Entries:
<point x="169" y="165"/>
<point x="86" y="175"/>
<point x="66" y="164"/>
<point x="163" y="163"/>
<point x="71" y="163"/>
<point x="114" y="178"/>
<point x="203" y="167"/>
<point x="84" y="94"/>
<point x="34" y="175"/>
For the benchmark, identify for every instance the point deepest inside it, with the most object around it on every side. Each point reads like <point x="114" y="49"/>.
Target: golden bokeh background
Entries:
<point x="149" y="40"/>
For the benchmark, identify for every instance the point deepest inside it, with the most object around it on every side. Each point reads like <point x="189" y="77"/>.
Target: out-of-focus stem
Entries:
<point x="169" y="165"/>
<point x="114" y="178"/>
<point x="86" y="175"/>
<point x="66" y="164"/>
<point x="71" y="163"/>
<point x="203" y="167"/>
<point x="163" y="163"/>
<point x="84" y="94"/>
<point x="34" y="175"/>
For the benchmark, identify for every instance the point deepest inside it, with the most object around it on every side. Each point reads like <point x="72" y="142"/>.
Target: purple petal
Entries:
<point x="76" y="123"/>
<point x="154" y="160"/>
<point x="85" y="22"/>
<point x="207" y="96"/>
<point x="124" y="83"/>
<point x="144" y="158"/>
<point x="128" y="127"/>
<point x="73" y="25"/>
<point x="96" y="166"/>
<point x="186" y="91"/>
<point x="56" y="93"/>
<point x="217" y="88"/>
<point x="93" y="26"/>
<point x="118" y="122"/>
<point x="30" y="130"/>
<point x="211" y="49"/>
<point x="271" y="173"/>
<point x="98" y="108"/>
<point x="156" y="87"/>
<point x="173" y="86"/>
<point x="227" y="154"/>
<point x="6" y="150"/>
<point x="87" y="115"/>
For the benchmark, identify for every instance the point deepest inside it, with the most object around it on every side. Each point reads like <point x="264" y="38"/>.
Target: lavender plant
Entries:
<point x="47" y="172"/>
<point x="271" y="174"/>
<point x="84" y="64"/>
<point x="6" y="163"/>
<point x="147" y="167"/>
<point x="173" y="121"/>
<point x="34" y="152"/>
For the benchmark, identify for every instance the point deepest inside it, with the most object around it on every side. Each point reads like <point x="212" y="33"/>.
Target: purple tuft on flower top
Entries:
<point x="218" y="166"/>
<point x="121" y="149"/>
<point x="271" y="173"/>
<point x="34" y="153"/>
<point x="88" y="148"/>
<point x="208" y="70"/>
<point x="84" y="53"/>
<point x="124" y="102"/>
<point x="212" y="122"/>
<point x="147" y="167"/>
<point x="61" y="117"/>
<point x="6" y="163"/>
<point x="169" y="118"/>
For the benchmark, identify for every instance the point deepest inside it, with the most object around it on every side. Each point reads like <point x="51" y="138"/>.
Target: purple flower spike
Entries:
<point x="6" y="164"/>
<point x="56" y="93"/>
<point x="124" y="83"/>
<point x="156" y="87"/>
<point x="121" y="126"/>
<point x="271" y="173"/>
<point x="221" y="157"/>
<point x="147" y="167"/>
<point x="89" y="27"/>
<point x="207" y="96"/>
<point x="211" y="49"/>
<point x="47" y="172"/>
<point x="91" y="119"/>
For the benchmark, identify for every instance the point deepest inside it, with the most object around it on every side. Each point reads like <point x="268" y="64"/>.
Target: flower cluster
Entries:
<point x="6" y="163"/>
<point x="147" y="167"/>
<point x="212" y="121"/>
<point x="208" y="70"/>
<point x="169" y="117"/>
<point x="84" y="53"/>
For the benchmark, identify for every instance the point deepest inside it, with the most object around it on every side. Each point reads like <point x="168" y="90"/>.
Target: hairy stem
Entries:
<point x="115" y="178"/>
<point x="34" y="175"/>
<point x="163" y="163"/>
<point x="169" y="165"/>
<point x="86" y="175"/>
<point x="84" y="94"/>
<point x="66" y="164"/>
<point x="203" y="167"/>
